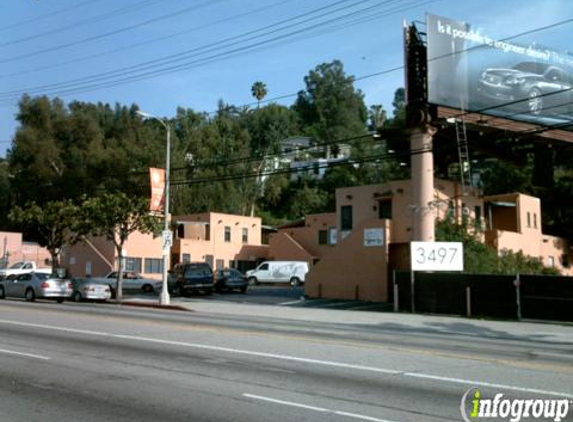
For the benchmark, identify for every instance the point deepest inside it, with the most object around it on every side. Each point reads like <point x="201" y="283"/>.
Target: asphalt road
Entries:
<point x="86" y="362"/>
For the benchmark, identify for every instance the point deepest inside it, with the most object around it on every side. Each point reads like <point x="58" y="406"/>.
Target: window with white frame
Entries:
<point x="132" y="264"/>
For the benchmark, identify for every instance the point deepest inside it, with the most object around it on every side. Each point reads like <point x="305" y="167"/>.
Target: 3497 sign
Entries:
<point x="437" y="256"/>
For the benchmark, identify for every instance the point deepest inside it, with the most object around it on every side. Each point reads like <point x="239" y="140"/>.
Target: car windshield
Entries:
<point x="16" y="265"/>
<point x="44" y="276"/>
<point x="532" y="67"/>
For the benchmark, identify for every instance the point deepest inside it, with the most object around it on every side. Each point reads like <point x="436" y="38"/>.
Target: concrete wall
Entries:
<point x="352" y="270"/>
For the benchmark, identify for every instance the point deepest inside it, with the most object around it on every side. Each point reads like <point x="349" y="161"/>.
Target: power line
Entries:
<point x="140" y="44"/>
<point x="49" y="15"/>
<point x="117" y="12"/>
<point x="110" y="33"/>
<point x="134" y="73"/>
<point x="173" y="58"/>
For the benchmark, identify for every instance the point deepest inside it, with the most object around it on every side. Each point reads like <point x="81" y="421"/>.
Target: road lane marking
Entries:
<point x="361" y="344"/>
<point x="386" y="371"/>
<point x="28" y="355"/>
<point x="316" y="409"/>
<point x="293" y="302"/>
<point x="288" y="403"/>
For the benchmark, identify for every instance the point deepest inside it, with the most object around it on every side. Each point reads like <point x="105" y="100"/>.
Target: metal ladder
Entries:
<point x="463" y="155"/>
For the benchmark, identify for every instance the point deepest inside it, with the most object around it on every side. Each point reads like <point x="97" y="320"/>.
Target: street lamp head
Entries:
<point x="144" y="114"/>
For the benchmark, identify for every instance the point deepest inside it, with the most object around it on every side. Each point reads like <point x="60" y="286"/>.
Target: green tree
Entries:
<point x="259" y="91"/>
<point x="502" y="177"/>
<point x="482" y="259"/>
<point x="116" y="216"/>
<point x="330" y="108"/>
<point x="377" y="117"/>
<point x="399" y="112"/>
<point x="56" y="224"/>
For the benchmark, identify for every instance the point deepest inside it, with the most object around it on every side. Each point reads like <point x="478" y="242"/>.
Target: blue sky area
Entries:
<point x="162" y="54"/>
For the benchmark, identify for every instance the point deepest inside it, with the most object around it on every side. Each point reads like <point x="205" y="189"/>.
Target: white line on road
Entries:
<point x="317" y="409"/>
<point x="470" y="383"/>
<point x="292" y="302"/>
<point x="28" y="355"/>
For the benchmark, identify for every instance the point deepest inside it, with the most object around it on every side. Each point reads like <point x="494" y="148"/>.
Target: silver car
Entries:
<point x="86" y="289"/>
<point x="36" y="285"/>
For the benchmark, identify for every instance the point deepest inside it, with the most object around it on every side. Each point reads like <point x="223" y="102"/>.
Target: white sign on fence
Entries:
<point x="437" y="256"/>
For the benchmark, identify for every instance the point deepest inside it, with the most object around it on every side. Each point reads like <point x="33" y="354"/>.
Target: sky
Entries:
<point x="165" y="54"/>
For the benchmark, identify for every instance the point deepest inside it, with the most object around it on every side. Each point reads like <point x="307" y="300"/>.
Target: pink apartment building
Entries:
<point x="356" y="248"/>
<point x="351" y="252"/>
<point x="222" y="240"/>
<point x="13" y="249"/>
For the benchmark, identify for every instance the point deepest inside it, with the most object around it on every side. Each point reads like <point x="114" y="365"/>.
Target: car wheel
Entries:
<point x="30" y="295"/>
<point x="77" y="297"/>
<point x="60" y="300"/>
<point x="295" y="281"/>
<point x="243" y="289"/>
<point x="2" y="293"/>
<point x="253" y="281"/>
<point x="535" y="101"/>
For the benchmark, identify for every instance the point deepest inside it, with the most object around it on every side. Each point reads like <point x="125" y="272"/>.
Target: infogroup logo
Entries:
<point x="474" y="407"/>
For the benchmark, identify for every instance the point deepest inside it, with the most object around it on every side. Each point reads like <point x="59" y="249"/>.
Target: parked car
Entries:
<point x="36" y="285"/>
<point x="87" y="289"/>
<point x="229" y="279"/>
<point x="132" y="281"/>
<point x="22" y="267"/>
<point x="530" y="82"/>
<point x="191" y="277"/>
<point x="293" y="272"/>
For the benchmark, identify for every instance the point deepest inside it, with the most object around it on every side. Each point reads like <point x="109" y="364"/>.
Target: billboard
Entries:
<point x="471" y="70"/>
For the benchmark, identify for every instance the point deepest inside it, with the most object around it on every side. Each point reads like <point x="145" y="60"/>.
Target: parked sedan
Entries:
<point x="36" y="285"/>
<point x="229" y="279"/>
<point x="86" y="289"/>
<point x="131" y="282"/>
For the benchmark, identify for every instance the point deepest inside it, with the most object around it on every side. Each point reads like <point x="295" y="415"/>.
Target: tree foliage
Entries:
<point x="482" y="259"/>
<point x="116" y="216"/>
<point x="56" y="224"/>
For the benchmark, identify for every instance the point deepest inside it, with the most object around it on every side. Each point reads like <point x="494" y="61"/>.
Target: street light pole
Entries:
<point x="164" y="296"/>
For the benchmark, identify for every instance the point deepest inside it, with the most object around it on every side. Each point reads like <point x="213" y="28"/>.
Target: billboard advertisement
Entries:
<point x="470" y="69"/>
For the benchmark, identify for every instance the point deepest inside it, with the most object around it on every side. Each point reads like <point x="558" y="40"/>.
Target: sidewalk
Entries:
<point x="541" y="330"/>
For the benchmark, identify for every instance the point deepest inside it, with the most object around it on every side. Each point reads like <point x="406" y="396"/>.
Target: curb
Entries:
<point x="156" y="306"/>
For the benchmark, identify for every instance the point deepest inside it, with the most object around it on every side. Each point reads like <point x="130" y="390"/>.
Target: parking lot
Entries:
<point x="281" y="295"/>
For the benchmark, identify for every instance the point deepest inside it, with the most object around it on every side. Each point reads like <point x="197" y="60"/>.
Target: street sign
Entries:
<point x="167" y="238"/>
<point x="437" y="256"/>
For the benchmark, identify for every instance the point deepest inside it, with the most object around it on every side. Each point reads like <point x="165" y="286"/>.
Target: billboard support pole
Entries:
<point x="422" y="171"/>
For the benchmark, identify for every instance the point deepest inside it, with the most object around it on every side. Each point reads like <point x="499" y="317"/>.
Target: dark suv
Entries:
<point x="191" y="277"/>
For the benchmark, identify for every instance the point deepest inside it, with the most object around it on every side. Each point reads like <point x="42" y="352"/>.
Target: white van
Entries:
<point x="293" y="272"/>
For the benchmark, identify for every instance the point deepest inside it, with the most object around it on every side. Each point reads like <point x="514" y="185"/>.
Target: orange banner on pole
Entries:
<point x="157" y="177"/>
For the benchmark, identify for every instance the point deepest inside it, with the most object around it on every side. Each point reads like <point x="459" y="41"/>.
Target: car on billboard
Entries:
<point x="529" y="87"/>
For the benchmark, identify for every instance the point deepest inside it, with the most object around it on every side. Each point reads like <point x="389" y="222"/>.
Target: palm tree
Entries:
<point x="259" y="91"/>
